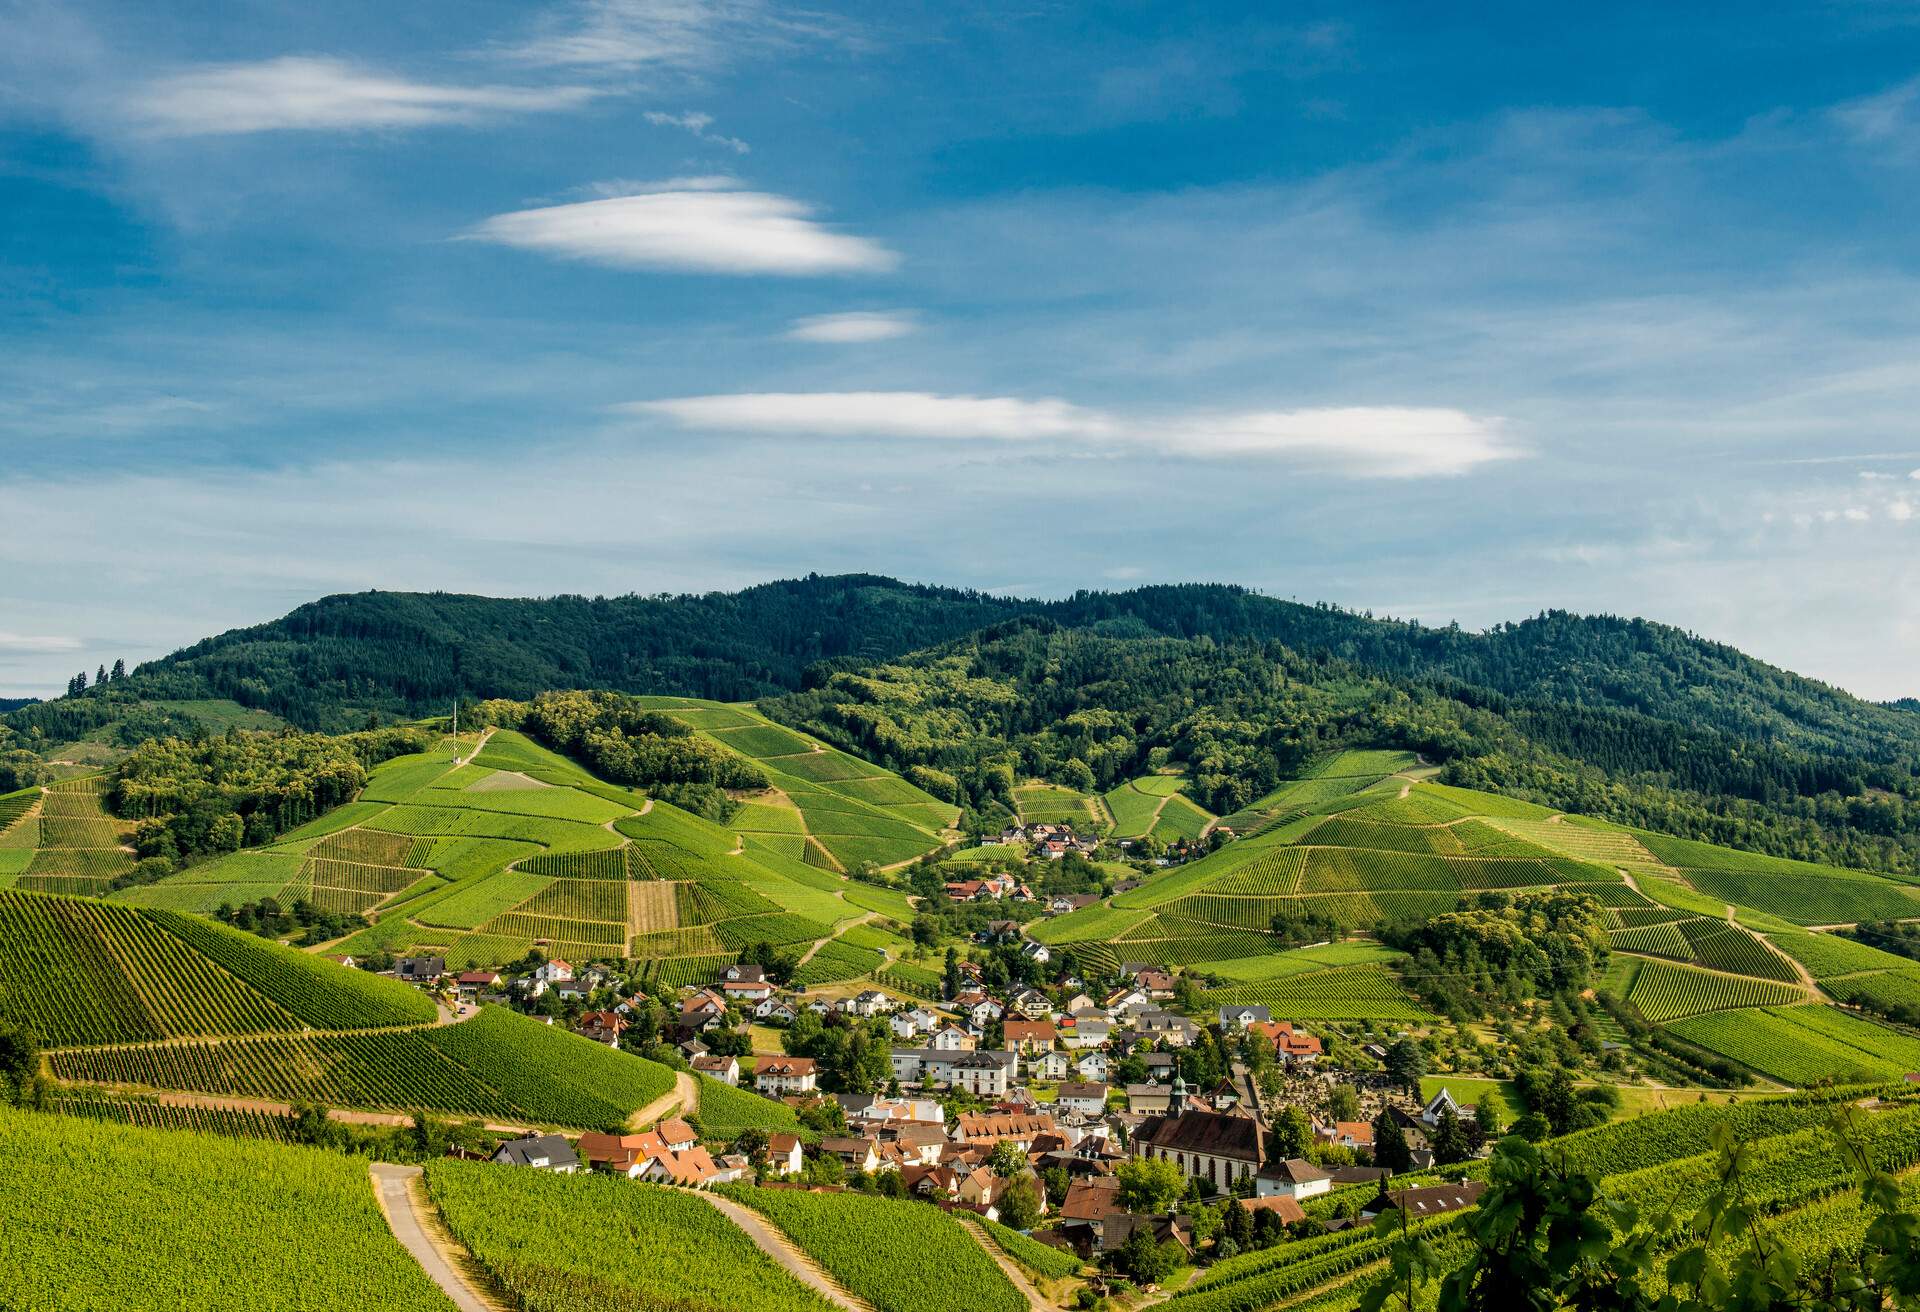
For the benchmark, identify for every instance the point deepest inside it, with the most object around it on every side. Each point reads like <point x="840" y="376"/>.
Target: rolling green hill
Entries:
<point x="1681" y="917"/>
<point x="484" y="855"/>
<point x="1631" y="720"/>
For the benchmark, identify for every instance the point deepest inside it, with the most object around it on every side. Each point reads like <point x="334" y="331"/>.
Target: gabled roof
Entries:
<point x="1073" y="1089"/>
<point x="1288" y="1210"/>
<point x="1092" y="1198"/>
<point x="1434" y="1199"/>
<point x="1295" y="1170"/>
<point x="552" y="1148"/>
<point x="1210" y="1133"/>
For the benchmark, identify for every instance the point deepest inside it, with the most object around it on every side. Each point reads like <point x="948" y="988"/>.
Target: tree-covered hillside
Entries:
<point x="330" y="661"/>
<point x="1029" y="698"/>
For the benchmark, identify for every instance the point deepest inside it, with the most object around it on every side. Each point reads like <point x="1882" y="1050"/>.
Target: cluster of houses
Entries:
<point x="1050" y="842"/>
<point x="1042" y="1083"/>
<point x="989" y="888"/>
<point x="1040" y="1066"/>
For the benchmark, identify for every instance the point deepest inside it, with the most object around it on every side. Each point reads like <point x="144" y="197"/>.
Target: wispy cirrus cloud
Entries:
<point x="693" y="35"/>
<point x="316" y="93"/>
<point x="1357" y="441"/>
<point x="691" y="225"/>
<point x="695" y="122"/>
<point x="37" y="644"/>
<point x="854" y="326"/>
<point x="1890" y="117"/>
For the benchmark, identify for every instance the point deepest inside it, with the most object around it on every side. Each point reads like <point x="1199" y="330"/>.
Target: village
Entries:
<point x="1102" y="1118"/>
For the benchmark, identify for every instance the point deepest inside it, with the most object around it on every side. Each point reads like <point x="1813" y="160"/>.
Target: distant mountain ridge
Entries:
<point x="330" y="662"/>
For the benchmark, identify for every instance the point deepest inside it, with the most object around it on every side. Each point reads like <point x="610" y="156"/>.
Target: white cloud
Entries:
<point x="314" y="93"/>
<point x="1362" y="441"/>
<point x="881" y="414"/>
<point x="854" y="326"/>
<point x="697" y="123"/>
<point x="700" y="229"/>
<point x="1371" y="441"/>
<point x="1900" y="509"/>
<point x="24" y="642"/>
<point x="1886" y="117"/>
<point x="683" y="34"/>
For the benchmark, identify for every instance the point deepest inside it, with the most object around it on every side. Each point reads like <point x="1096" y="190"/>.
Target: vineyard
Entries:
<point x="1037" y="1257"/>
<point x="1714" y="944"/>
<point x="92" y="973"/>
<point x="486" y="861"/>
<point x="899" y="1256"/>
<point x="1153" y="804"/>
<point x="80" y="849"/>
<point x="498" y="1064"/>
<point x="196" y="1221"/>
<point x="845" y="812"/>
<point x="837" y="961"/>
<point x="726" y="1110"/>
<point x="1806" y="1044"/>
<point x="236" y="1123"/>
<point x="1665" y="992"/>
<point x="646" y="1246"/>
<point x="1340" y="993"/>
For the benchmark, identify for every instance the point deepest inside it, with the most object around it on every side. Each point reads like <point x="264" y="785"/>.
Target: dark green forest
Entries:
<point x="329" y="662"/>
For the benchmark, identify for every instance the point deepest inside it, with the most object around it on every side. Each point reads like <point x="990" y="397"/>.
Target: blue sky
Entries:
<point x="1450" y="316"/>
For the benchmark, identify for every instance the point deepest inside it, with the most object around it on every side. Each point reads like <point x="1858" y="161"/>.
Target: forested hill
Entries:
<point x="328" y="663"/>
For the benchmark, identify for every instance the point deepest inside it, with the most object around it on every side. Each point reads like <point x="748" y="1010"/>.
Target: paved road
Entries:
<point x="399" y="1199"/>
<point x="782" y="1250"/>
<point x="683" y="1099"/>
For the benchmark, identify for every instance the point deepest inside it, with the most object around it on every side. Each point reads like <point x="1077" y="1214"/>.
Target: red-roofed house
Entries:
<point x="1030" y="1035"/>
<point x="724" y="1069"/>
<point x="784" y="1156"/>
<point x="602" y="1027"/>
<point x="784" y="1074"/>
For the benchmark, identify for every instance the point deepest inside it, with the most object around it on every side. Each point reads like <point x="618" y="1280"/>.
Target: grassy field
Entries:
<point x="1153" y="804"/>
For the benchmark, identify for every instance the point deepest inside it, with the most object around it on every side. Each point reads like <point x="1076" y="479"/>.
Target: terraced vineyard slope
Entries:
<point x="482" y="856"/>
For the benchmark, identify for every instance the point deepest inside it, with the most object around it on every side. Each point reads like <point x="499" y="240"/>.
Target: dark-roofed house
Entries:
<point x="1213" y="1148"/>
<point x="1086" y="1099"/>
<point x="1292" y="1178"/>
<point x="542" y="1152"/>
<point x="1433" y="1200"/>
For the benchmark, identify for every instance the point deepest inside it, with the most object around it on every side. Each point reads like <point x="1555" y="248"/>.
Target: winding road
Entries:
<point x="420" y="1232"/>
